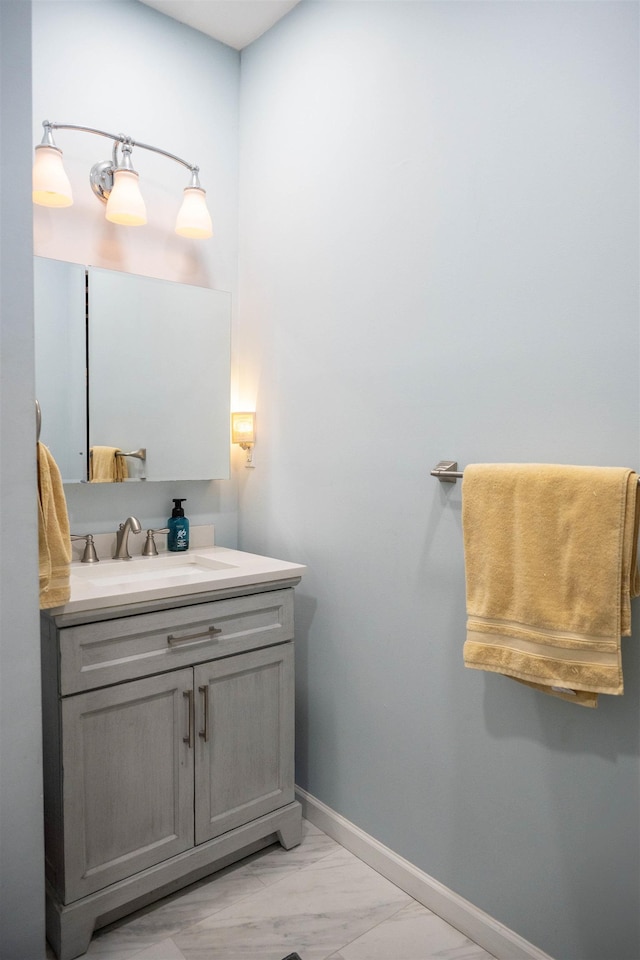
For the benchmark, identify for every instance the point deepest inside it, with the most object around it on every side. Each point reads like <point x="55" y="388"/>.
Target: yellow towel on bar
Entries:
<point x="106" y="467"/>
<point x="54" y="540"/>
<point x="550" y="564"/>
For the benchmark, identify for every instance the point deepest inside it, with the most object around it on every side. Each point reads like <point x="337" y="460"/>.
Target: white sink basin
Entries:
<point x="158" y="571"/>
<point x="204" y="570"/>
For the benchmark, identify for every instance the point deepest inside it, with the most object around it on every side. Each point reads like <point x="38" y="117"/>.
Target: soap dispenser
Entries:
<point x="178" y="524"/>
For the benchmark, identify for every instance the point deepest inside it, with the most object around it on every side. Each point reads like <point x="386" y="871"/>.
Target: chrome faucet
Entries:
<point x="131" y="525"/>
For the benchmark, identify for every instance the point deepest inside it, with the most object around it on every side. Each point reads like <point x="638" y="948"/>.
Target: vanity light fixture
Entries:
<point x="243" y="432"/>
<point x="115" y="182"/>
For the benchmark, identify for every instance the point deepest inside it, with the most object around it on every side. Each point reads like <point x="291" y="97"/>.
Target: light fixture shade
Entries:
<point x="193" y="218"/>
<point x="243" y="428"/>
<point x="125" y="204"/>
<point x="51" y="187"/>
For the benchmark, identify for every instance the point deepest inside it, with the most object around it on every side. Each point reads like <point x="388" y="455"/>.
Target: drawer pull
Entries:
<point x="207" y="634"/>
<point x="188" y="695"/>
<point x="205" y="710"/>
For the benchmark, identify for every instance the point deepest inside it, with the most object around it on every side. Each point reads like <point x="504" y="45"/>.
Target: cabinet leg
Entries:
<point x="68" y="934"/>
<point x="290" y="830"/>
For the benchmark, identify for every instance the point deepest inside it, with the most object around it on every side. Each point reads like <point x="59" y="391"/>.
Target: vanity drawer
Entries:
<point x="111" y="651"/>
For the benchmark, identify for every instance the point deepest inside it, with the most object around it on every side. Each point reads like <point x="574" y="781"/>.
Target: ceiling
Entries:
<point x="234" y="22"/>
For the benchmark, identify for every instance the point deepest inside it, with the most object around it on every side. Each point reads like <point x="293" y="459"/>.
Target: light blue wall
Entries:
<point x="120" y="66"/>
<point x="439" y="259"/>
<point x="21" y="850"/>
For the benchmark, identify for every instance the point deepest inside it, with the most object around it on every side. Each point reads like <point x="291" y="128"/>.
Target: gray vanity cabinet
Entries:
<point x="128" y="780"/>
<point x="245" y="743"/>
<point x="168" y="742"/>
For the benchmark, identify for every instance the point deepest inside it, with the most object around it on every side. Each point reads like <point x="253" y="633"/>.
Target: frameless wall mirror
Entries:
<point x="135" y="364"/>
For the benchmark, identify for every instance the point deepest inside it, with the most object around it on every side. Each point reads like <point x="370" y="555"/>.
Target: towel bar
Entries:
<point x="447" y="471"/>
<point x="140" y="454"/>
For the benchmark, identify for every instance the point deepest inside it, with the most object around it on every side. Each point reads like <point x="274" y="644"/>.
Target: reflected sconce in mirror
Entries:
<point x="243" y="432"/>
<point x="115" y="182"/>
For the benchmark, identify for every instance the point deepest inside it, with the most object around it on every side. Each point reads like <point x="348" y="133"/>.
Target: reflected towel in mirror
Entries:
<point x="106" y="467"/>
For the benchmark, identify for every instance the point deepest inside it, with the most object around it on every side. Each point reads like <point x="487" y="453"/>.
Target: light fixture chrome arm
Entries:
<point x="118" y="138"/>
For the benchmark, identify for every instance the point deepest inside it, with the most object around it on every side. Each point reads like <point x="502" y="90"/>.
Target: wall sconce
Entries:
<point x="115" y="182"/>
<point x="243" y="432"/>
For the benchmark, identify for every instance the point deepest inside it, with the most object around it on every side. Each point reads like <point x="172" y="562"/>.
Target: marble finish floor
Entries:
<point x="318" y="900"/>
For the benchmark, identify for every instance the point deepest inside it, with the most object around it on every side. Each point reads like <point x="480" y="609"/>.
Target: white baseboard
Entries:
<point x="488" y="933"/>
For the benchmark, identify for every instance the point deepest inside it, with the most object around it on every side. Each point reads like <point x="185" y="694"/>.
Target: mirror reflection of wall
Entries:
<point x="158" y="372"/>
<point x="60" y="350"/>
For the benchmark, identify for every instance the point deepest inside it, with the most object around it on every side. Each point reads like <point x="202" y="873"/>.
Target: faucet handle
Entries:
<point x="150" y="549"/>
<point x="89" y="555"/>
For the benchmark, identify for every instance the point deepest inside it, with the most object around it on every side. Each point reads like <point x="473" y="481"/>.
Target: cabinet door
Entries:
<point x="128" y="779"/>
<point x="245" y="738"/>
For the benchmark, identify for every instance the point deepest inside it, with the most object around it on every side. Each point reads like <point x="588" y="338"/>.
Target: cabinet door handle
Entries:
<point x="207" y="634"/>
<point x="188" y="695"/>
<point x="205" y="712"/>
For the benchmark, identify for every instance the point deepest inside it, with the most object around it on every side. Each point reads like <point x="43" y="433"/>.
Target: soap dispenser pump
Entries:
<point x="178" y="524"/>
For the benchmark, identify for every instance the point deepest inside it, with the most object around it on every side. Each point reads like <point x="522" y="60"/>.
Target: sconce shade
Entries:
<point x="125" y="204"/>
<point x="51" y="187"/>
<point x="243" y="428"/>
<point x="193" y="218"/>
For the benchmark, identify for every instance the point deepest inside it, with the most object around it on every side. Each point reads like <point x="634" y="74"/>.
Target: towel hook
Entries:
<point x="38" y="421"/>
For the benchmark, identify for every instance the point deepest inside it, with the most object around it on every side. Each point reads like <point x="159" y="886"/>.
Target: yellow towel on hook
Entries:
<point x="550" y="564"/>
<point x="106" y="467"/>
<point x="54" y="540"/>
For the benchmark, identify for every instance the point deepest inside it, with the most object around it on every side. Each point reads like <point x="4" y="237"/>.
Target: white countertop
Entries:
<point x="112" y="583"/>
